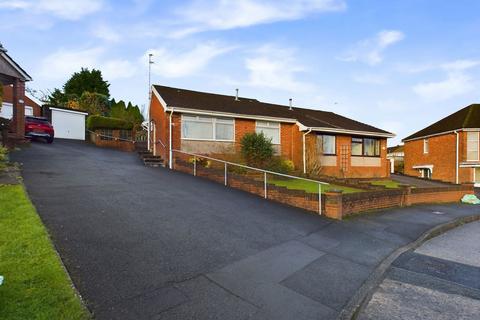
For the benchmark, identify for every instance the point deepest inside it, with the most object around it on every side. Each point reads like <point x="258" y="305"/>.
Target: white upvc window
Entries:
<point x="472" y="146"/>
<point x="271" y="130"/>
<point x="425" y="146"/>
<point x="207" y="128"/>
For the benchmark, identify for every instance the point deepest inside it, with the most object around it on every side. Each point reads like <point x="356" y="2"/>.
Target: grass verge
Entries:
<point x="389" y="184"/>
<point x="36" y="285"/>
<point x="312" y="187"/>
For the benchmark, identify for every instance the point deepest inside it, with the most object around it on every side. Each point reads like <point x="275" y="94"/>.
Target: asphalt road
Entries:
<point x="417" y="182"/>
<point x="150" y="243"/>
<point x="440" y="280"/>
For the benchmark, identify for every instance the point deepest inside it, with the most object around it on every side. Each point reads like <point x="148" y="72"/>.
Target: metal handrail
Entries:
<point x="265" y="172"/>
<point x="251" y="168"/>
<point x="107" y="136"/>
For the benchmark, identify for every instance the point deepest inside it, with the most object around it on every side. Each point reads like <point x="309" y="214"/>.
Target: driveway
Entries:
<point x="150" y="243"/>
<point x="417" y="182"/>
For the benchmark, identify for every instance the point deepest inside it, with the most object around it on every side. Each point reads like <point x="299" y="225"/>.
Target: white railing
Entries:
<point x="265" y="172"/>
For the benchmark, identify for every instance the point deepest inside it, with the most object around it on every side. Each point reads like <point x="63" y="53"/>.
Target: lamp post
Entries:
<point x="150" y="62"/>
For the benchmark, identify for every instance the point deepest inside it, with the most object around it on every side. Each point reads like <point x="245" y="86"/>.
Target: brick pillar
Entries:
<point x="334" y="204"/>
<point x="18" y="120"/>
<point x="470" y="187"/>
<point x="407" y="191"/>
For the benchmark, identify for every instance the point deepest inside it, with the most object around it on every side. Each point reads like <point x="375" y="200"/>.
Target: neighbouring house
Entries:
<point x="396" y="156"/>
<point x="447" y="150"/>
<point x="317" y="142"/>
<point x="12" y="74"/>
<point x="32" y="106"/>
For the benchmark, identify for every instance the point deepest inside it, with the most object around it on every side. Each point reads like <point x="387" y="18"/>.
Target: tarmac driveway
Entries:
<point x="150" y="243"/>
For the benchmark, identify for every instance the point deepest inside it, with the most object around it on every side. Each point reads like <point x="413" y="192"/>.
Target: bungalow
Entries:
<point x="317" y="142"/>
<point x="12" y="74"/>
<point x="447" y="150"/>
<point x="32" y="106"/>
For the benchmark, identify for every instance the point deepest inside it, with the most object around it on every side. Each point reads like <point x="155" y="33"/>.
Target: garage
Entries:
<point x="68" y="124"/>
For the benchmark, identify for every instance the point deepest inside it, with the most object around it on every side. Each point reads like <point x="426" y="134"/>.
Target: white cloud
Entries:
<point x="63" y="63"/>
<point x="275" y="68"/>
<point x="175" y="64"/>
<point x="371" y="50"/>
<point x="203" y="15"/>
<point x="65" y="9"/>
<point x="106" y="33"/>
<point x="457" y="82"/>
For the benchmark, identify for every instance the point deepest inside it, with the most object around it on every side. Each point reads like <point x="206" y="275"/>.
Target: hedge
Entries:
<point x="95" y="122"/>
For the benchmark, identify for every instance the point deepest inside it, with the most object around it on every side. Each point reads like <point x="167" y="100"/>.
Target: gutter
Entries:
<point x="456" y="156"/>
<point x="304" y="156"/>
<point x="170" y="157"/>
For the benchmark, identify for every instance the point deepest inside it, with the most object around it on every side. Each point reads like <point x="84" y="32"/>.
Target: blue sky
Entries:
<point x="398" y="64"/>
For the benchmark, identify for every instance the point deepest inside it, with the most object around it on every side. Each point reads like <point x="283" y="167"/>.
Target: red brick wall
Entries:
<point x="8" y="97"/>
<point x="442" y="155"/>
<point x="242" y="126"/>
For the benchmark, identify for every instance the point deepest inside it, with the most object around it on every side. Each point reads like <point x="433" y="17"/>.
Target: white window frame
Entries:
<point x="426" y="146"/>
<point x="269" y="125"/>
<point x="478" y="145"/>
<point x="213" y="121"/>
<point x="334" y="144"/>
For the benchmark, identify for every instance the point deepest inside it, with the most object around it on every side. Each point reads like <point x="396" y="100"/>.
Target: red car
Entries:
<point x="37" y="127"/>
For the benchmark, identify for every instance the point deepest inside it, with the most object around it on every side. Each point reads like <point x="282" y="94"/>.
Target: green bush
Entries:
<point x="99" y="122"/>
<point x="256" y="149"/>
<point x="280" y="165"/>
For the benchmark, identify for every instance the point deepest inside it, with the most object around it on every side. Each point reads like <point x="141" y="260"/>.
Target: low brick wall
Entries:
<point x="248" y="183"/>
<point x="115" y="142"/>
<point x="366" y="201"/>
<point x="334" y="204"/>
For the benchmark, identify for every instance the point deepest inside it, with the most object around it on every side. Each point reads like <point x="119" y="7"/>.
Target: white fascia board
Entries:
<point x="469" y="165"/>
<point x="230" y="115"/>
<point x="14" y="65"/>
<point x="69" y="111"/>
<point x="352" y="132"/>
<point x="424" y="166"/>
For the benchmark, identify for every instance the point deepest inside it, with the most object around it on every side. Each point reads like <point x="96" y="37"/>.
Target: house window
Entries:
<point x="207" y="128"/>
<point x="328" y="144"/>
<point x="472" y="146"/>
<point x="368" y="147"/>
<point x="271" y="130"/>
<point x="425" y="145"/>
<point x="357" y="146"/>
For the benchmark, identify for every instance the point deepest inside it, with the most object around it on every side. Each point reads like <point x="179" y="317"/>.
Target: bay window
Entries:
<point x="207" y="128"/>
<point x="368" y="147"/>
<point x="271" y="130"/>
<point x="472" y="145"/>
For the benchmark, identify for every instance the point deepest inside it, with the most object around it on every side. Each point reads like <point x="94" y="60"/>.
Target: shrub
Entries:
<point x="99" y="122"/>
<point x="256" y="149"/>
<point x="280" y="165"/>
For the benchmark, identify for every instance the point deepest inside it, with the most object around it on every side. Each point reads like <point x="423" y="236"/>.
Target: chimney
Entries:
<point x="236" y="95"/>
<point x="290" y="104"/>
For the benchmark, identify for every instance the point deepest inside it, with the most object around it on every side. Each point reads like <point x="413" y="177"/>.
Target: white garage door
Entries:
<point x="68" y="124"/>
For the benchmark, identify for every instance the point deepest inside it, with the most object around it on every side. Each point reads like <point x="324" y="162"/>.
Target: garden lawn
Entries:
<point x="390" y="184"/>
<point x="309" y="186"/>
<point x="35" y="285"/>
